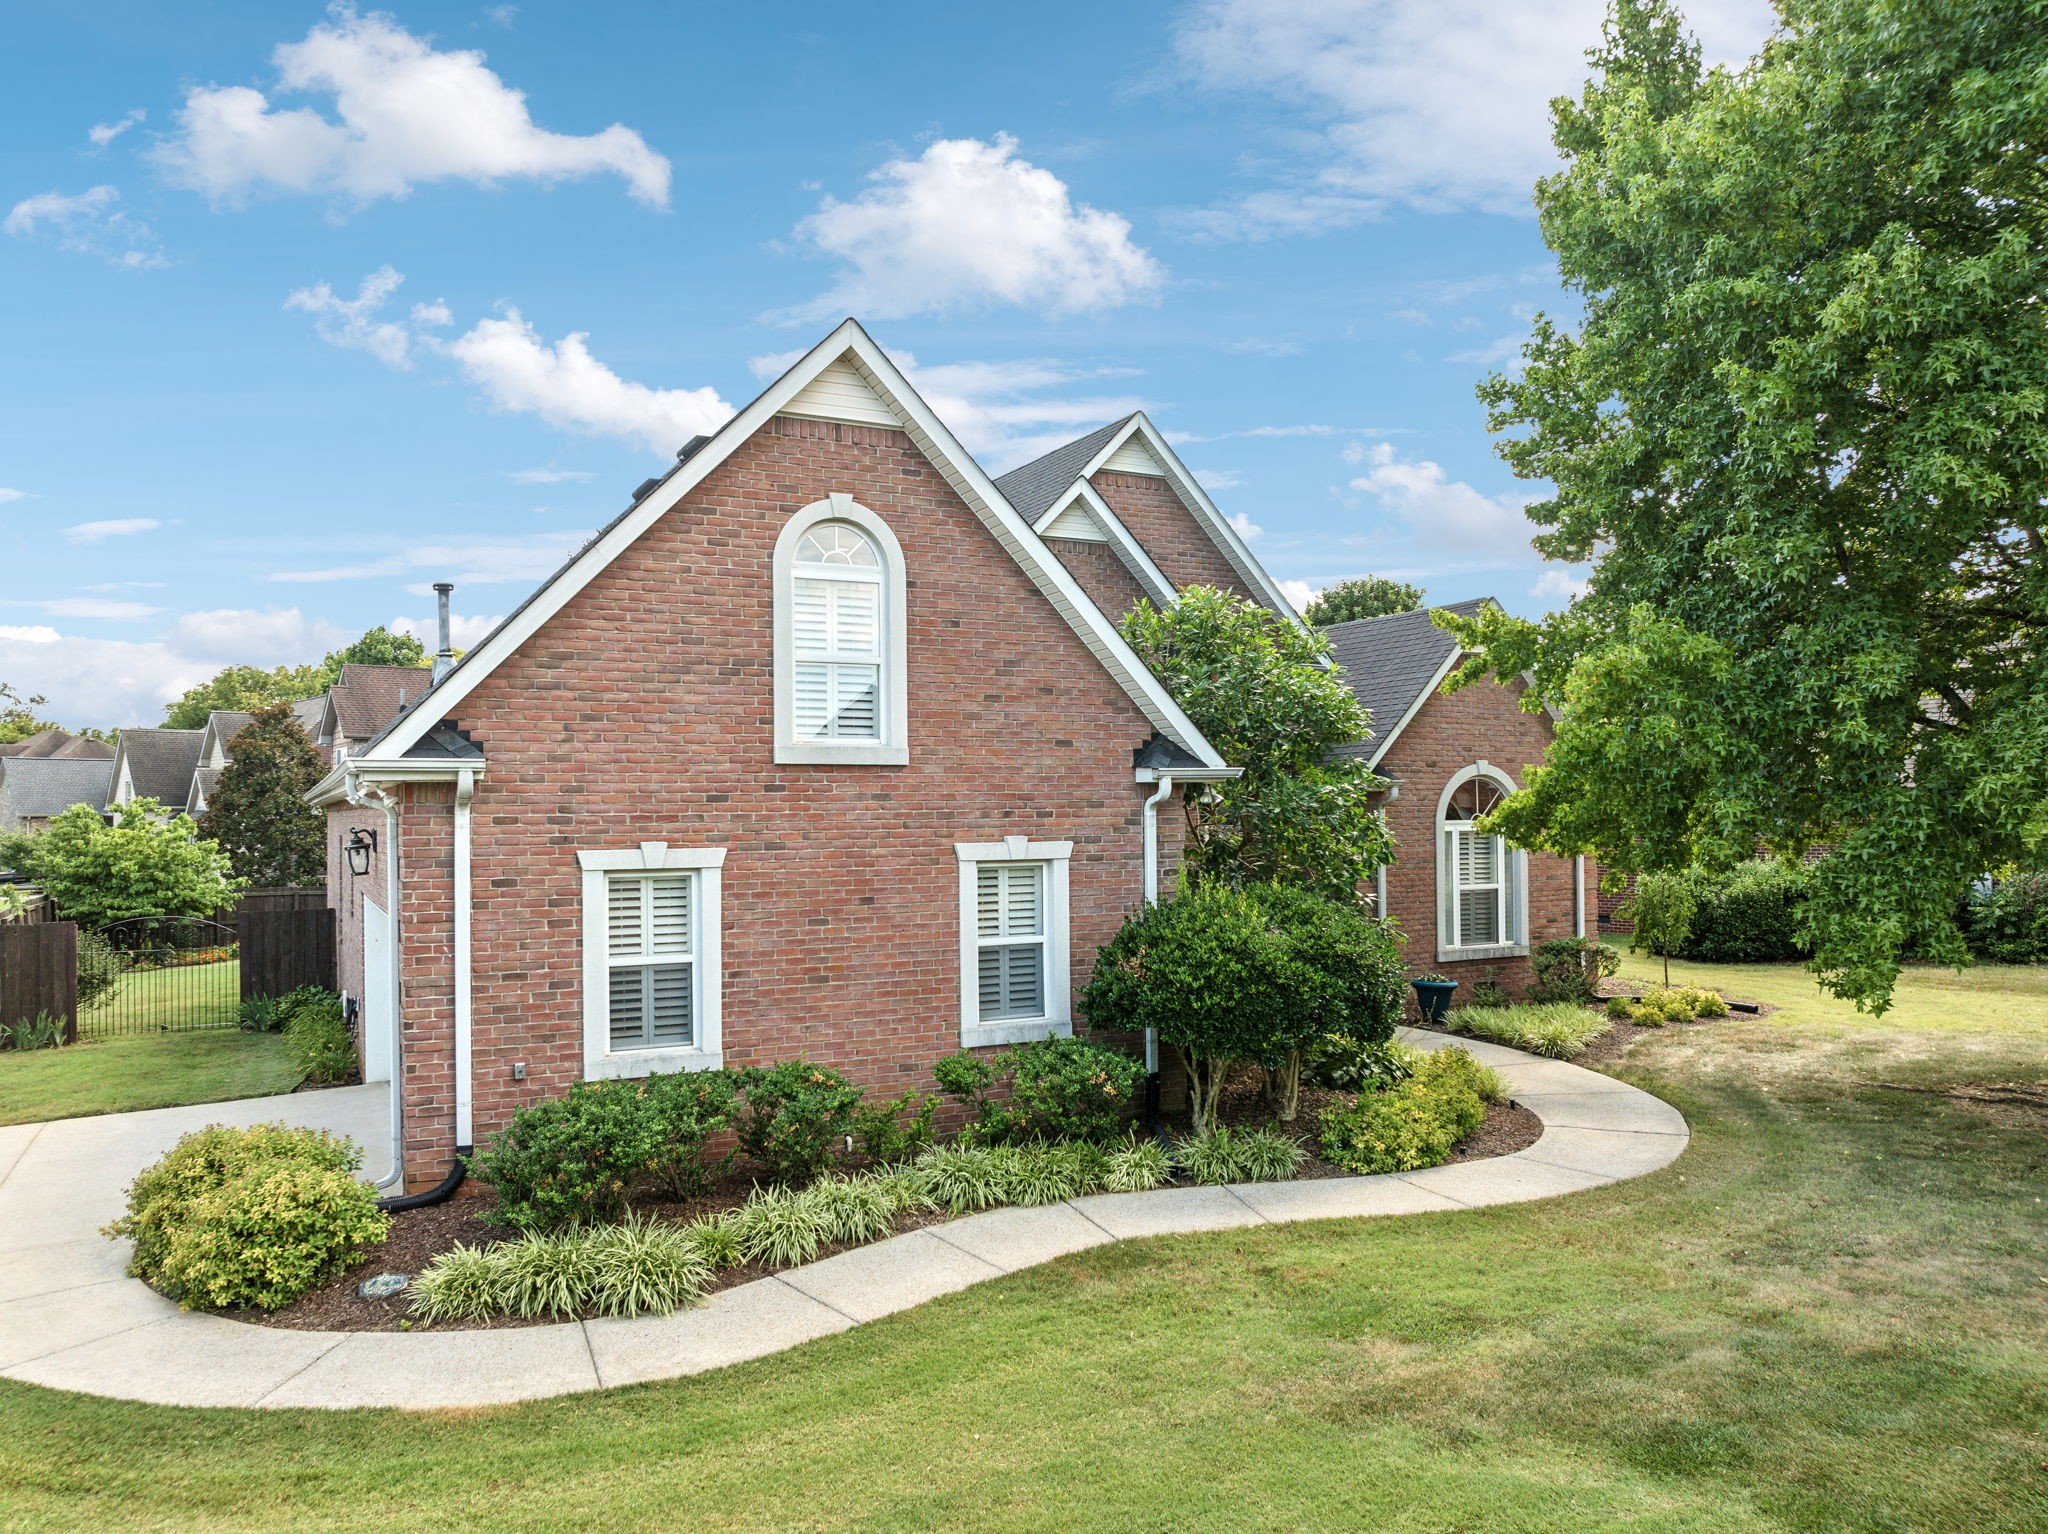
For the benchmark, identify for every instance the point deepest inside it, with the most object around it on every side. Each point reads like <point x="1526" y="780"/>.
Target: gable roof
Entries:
<point x="60" y="743"/>
<point x="1392" y="663"/>
<point x="365" y="699"/>
<point x="222" y="726"/>
<point x="39" y="787"/>
<point x="204" y="781"/>
<point x="160" y="763"/>
<point x="853" y="346"/>
<point x="1048" y="478"/>
<point x="83" y="748"/>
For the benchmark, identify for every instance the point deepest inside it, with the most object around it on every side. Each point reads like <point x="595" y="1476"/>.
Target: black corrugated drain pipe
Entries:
<point x="440" y="1193"/>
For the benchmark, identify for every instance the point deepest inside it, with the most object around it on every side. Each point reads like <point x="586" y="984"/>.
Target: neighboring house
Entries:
<point x="828" y="746"/>
<point x="154" y="764"/>
<point x="62" y="744"/>
<point x="222" y="726"/>
<point x="1470" y="905"/>
<point x="34" y="790"/>
<point x="361" y="702"/>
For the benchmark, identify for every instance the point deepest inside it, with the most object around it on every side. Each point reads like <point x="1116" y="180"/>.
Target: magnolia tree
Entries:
<point x="1259" y="686"/>
<point x="258" y="813"/>
<point x="1233" y="975"/>
<point x="1799" y="427"/>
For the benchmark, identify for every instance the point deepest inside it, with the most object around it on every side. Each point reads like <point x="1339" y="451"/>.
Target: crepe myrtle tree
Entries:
<point x="1261" y="689"/>
<point x="1799" y="427"/>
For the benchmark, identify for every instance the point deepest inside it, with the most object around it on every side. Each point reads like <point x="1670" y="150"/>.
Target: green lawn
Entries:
<point x="1831" y="1314"/>
<point x="158" y="1070"/>
<point x="184" y="996"/>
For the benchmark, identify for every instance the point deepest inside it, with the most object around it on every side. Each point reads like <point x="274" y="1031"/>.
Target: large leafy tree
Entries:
<point x="378" y="647"/>
<point x="142" y="865"/>
<point x="1801" y="429"/>
<point x="1260" y="688"/>
<point x="245" y="689"/>
<point x="1366" y="596"/>
<point x="258" y="813"/>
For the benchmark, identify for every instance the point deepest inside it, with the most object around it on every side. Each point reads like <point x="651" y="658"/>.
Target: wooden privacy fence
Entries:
<point x="39" y="973"/>
<point x="283" y="950"/>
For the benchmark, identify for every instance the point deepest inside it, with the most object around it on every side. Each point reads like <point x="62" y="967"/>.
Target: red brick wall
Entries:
<point x="1099" y="572"/>
<point x="643" y="711"/>
<point x="1168" y="531"/>
<point x="1448" y="734"/>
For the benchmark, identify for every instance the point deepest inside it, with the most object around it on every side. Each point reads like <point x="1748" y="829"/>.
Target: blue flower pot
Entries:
<point x="1434" y="997"/>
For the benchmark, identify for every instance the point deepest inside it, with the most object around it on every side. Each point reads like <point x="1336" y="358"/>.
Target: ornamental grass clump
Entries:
<point x="781" y="1227"/>
<point x="461" y="1284"/>
<point x="546" y="1275"/>
<point x="851" y="1210"/>
<point x="960" y="1178"/>
<point x="1136" y="1167"/>
<point x="1045" y="1174"/>
<point x="1227" y="1154"/>
<point x="1558" y="1029"/>
<point x="643" y="1268"/>
<point x="718" y="1239"/>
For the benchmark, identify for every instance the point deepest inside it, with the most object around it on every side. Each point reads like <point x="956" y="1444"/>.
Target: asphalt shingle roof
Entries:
<point x="56" y="742"/>
<point x="366" y="697"/>
<point x="227" y="724"/>
<point x="1389" y="661"/>
<point x="161" y="763"/>
<point x="38" y="787"/>
<point x="1033" y="487"/>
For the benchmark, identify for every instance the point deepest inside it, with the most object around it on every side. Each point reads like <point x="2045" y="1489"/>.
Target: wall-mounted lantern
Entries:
<point x="360" y="847"/>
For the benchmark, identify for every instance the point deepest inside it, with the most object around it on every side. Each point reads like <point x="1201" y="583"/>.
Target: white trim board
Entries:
<point x="1150" y="578"/>
<point x="707" y="1050"/>
<point x="1057" y="981"/>
<point x="850" y="343"/>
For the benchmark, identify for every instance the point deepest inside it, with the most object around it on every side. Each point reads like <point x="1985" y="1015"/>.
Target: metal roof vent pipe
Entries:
<point x="444" y="658"/>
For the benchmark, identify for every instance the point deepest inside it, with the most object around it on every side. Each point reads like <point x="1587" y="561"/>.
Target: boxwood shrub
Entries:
<point x="1748" y="915"/>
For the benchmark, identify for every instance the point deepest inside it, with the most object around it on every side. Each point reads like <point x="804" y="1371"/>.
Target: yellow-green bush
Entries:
<point x="250" y="1216"/>
<point x="1415" y="1124"/>
<point x="1653" y="1009"/>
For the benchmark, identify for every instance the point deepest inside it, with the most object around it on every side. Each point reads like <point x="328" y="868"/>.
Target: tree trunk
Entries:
<point x="1205" y="1088"/>
<point x="1283" y="1087"/>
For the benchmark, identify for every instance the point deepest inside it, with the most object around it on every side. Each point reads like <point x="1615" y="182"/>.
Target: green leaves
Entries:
<point x="139" y="866"/>
<point x="1801" y="427"/>
<point x="258" y="811"/>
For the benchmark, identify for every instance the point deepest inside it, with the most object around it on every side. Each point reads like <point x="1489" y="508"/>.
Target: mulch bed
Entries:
<point x="418" y="1235"/>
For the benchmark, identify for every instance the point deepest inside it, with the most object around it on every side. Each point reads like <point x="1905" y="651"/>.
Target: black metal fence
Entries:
<point x="155" y="974"/>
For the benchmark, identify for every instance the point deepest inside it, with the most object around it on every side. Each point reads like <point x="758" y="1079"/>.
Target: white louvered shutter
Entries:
<point x="1010" y="930"/>
<point x="1479" y="875"/>
<point x="836" y="631"/>
<point x="652" y="960"/>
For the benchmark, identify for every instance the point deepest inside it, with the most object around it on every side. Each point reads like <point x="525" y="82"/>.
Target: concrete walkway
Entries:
<point x="69" y="1319"/>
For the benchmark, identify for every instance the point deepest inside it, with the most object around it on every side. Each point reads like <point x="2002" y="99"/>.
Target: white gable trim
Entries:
<point x="1117" y="536"/>
<point x="1196" y="499"/>
<point x="855" y="346"/>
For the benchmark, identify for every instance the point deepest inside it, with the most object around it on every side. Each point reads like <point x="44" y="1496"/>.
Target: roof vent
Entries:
<point x="689" y="449"/>
<point x="646" y="485"/>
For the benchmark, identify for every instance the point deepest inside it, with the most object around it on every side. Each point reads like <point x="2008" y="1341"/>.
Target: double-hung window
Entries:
<point x="840" y="617"/>
<point x="1480" y="877"/>
<point x="651" y="982"/>
<point x="1014" y="980"/>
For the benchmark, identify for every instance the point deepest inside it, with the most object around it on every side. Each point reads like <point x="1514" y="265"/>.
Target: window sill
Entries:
<point x="629" y="1064"/>
<point x="1491" y="951"/>
<point x="815" y="753"/>
<point x="1022" y="1031"/>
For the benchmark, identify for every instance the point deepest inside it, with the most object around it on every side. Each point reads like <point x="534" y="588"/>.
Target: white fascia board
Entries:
<point x="961" y="471"/>
<point x="1196" y="499"/>
<point x="1188" y="774"/>
<point x="1136" y="560"/>
<point x="382" y="769"/>
<point x="1388" y="737"/>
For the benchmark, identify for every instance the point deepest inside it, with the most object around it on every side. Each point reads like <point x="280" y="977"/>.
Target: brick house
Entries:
<point x="1471" y="905"/>
<point x="827" y="745"/>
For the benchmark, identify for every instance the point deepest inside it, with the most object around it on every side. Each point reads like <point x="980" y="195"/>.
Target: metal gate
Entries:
<point x="169" y="974"/>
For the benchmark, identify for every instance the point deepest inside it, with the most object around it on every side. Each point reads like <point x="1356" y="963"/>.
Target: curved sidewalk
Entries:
<point x="71" y="1320"/>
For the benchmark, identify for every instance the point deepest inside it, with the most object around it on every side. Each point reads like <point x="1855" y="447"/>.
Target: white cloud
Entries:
<point x="404" y="114"/>
<point x="1441" y="511"/>
<point x="465" y="631"/>
<point x="501" y="15"/>
<point x="235" y="634"/>
<point x="1298" y="593"/>
<point x="969" y="223"/>
<point x="98" y="607"/>
<point x="466" y="561"/>
<point x="126" y="586"/>
<point x="550" y="475"/>
<point x="1494" y="354"/>
<point x="1559" y="587"/>
<point x="352" y="322"/>
<point x="7" y="495"/>
<point x="113" y="527"/>
<point x="1255" y="347"/>
<point x="1435" y="104"/>
<point x="88" y="223"/>
<point x="565" y="386"/>
<point x="102" y="682"/>
<point x="29" y="633"/>
<point x="103" y="134"/>
<point x="1247" y="529"/>
<point x="1218" y="479"/>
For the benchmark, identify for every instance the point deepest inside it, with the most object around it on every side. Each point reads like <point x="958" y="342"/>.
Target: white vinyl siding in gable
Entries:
<point x="1010" y="932"/>
<point x="651" y="955"/>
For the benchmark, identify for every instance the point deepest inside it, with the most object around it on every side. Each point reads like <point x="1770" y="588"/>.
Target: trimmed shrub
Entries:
<point x="1070" y="1089"/>
<point x="687" y="1109"/>
<point x="1748" y="915"/>
<point x="1136" y="1167"/>
<point x="1559" y="1029"/>
<point x="1439" y="1069"/>
<point x="571" y="1159"/>
<point x="1228" y="1154"/>
<point x="1570" y="968"/>
<point x="2008" y="923"/>
<point x="886" y="1136"/>
<point x="1414" y="1125"/>
<point x="797" y="1114"/>
<point x="267" y="1236"/>
<point x="206" y="1160"/>
<point x="1676" y="1004"/>
<point x="1485" y="993"/>
<point x="1346" y="1065"/>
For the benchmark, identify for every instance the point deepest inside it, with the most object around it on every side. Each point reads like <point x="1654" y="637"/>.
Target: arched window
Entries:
<point x="839" y="623"/>
<point x="1481" y="880"/>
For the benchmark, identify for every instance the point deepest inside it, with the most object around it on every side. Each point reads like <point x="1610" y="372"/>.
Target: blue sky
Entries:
<point x="304" y="309"/>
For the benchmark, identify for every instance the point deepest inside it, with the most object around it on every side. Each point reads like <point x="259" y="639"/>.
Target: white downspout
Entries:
<point x="1151" y="818"/>
<point x="359" y="793"/>
<point x="465" y="790"/>
<point x="1579" y="895"/>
